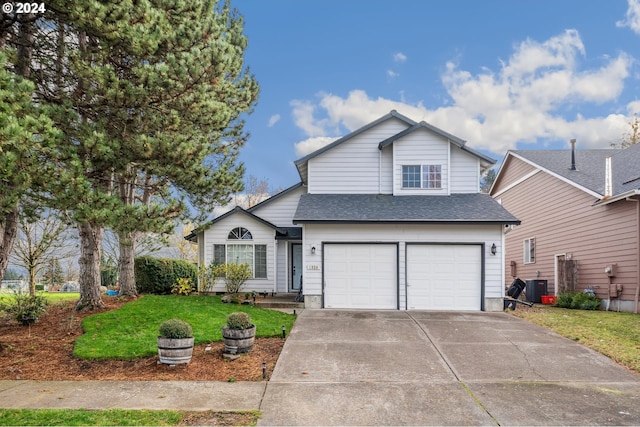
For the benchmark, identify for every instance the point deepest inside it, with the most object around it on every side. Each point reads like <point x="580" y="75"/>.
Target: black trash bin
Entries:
<point x="514" y="291"/>
<point x="516" y="288"/>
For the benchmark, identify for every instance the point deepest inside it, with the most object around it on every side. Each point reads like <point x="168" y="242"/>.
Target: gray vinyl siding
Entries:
<point x="262" y="235"/>
<point x="386" y="174"/>
<point x="352" y="167"/>
<point x="279" y="212"/>
<point x="465" y="170"/>
<point x="282" y="262"/>
<point x="420" y="148"/>
<point x="562" y="219"/>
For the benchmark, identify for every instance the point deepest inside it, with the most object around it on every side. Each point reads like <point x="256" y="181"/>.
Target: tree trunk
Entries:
<point x="89" y="262"/>
<point x="126" y="273"/>
<point x="32" y="281"/>
<point x="8" y="232"/>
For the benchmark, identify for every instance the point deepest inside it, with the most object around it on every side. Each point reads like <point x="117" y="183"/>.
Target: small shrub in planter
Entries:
<point x="239" y="333"/>
<point x="175" y="328"/>
<point x="239" y="320"/>
<point x="25" y="308"/>
<point x="175" y="343"/>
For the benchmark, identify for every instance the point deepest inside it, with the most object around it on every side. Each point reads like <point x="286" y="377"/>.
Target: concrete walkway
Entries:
<point x="391" y="368"/>
<point x="179" y="395"/>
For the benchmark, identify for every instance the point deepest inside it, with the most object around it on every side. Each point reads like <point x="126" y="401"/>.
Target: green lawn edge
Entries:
<point x="107" y="417"/>
<point x="614" y="334"/>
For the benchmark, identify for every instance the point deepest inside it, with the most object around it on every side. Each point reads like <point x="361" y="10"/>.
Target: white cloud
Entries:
<point x="523" y="101"/>
<point x="632" y="18"/>
<point x="273" y="120"/>
<point x="312" y="144"/>
<point x="399" y="57"/>
<point x="392" y="74"/>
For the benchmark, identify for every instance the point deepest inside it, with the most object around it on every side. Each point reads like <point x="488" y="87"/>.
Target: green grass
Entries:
<point x="616" y="335"/>
<point x="110" y="417"/>
<point x="131" y="331"/>
<point x="83" y="417"/>
<point x="53" y="297"/>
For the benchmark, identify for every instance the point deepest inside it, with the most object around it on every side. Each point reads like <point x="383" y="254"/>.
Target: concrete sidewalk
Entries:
<point x="157" y="395"/>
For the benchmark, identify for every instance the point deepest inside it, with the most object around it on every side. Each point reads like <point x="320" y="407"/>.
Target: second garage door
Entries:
<point x="444" y="277"/>
<point x="361" y="276"/>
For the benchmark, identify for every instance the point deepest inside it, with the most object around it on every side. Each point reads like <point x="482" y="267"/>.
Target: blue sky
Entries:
<point x="500" y="74"/>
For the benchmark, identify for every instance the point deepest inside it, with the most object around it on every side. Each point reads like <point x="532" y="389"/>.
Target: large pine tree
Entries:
<point x="148" y="97"/>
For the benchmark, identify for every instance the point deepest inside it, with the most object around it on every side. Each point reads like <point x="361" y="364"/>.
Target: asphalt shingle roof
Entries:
<point x="590" y="166"/>
<point x="385" y="208"/>
<point x="589" y="171"/>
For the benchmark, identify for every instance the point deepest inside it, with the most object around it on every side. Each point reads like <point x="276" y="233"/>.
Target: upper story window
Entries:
<point x="239" y="233"/>
<point x="530" y="251"/>
<point x="422" y="176"/>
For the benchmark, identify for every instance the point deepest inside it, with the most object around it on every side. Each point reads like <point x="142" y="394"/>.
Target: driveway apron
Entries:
<point x="433" y="368"/>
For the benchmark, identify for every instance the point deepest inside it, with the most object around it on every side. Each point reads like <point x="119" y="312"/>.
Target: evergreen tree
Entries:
<point x="26" y="133"/>
<point x="148" y="97"/>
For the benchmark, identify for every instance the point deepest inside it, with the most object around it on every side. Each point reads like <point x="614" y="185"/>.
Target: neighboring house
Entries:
<point x="577" y="220"/>
<point x="387" y="217"/>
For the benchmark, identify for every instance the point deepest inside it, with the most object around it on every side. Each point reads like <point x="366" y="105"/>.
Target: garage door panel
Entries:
<point x="360" y="276"/>
<point x="444" y="277"/>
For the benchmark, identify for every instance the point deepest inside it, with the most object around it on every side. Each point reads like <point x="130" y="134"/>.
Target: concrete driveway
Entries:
<point x="431" y="368"/>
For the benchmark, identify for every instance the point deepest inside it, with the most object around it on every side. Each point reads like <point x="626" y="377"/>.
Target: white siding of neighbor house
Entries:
<point x="262" y="235"/>
<point x="316" y="234"/>
<point x="465" y="171"/>
<point x="420" y="147"/>
<point x="352" y="167"/>
<point x="280" y="211"/>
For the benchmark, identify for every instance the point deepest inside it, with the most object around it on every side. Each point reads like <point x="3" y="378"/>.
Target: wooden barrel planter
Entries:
<point x="238" y="341"/>
<point x="175" y="351"/>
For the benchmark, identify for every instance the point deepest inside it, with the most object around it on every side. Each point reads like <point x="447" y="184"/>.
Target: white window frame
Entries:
<point x="241" y="236"/>
<point x="529" y="250"/>
<point x="424" y="177"/>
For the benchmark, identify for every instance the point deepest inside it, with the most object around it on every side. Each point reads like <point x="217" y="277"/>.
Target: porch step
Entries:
<point x="279" y="301"/>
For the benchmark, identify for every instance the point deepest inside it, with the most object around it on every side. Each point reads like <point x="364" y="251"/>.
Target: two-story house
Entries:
<point x="580" y="213"/>
<point x="387" y="217"/>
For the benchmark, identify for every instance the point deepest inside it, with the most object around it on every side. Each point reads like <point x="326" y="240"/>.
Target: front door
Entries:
<point x="296" y="266"/>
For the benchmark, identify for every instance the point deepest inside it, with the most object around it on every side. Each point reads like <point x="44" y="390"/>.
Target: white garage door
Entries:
<point x="360" y="276"/>
<point x="444" y="277"/>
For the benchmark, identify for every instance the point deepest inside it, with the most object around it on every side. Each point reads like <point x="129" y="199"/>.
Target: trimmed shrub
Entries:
<point x="239" y="320"/>
<point x="24" y="308"/>
<point x="578" y="300"/>
<point x="158" y="275"/>
<point x="175" y="328"/>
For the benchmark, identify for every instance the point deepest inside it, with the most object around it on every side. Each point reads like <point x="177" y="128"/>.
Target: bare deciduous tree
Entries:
<point x="39" y="242"/>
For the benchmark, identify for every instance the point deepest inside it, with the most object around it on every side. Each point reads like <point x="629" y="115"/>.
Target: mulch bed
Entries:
<point x="44" y="351"/>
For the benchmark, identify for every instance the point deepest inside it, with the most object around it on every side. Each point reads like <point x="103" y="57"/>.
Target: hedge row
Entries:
<point x="158" y="275"/>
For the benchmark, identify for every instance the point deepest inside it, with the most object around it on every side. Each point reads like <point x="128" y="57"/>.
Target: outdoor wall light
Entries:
<point x="313" y="249"/>
<point x="493" y="249"/>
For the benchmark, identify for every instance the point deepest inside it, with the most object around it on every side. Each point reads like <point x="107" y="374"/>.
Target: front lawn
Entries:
<point x="123" y="417"/>
<point x="131" y="331"/>
<point x="616" y="335"/>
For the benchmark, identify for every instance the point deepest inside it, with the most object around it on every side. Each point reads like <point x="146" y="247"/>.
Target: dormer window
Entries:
<point x="422" y="176"/>
<point x="240" y="233"/>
